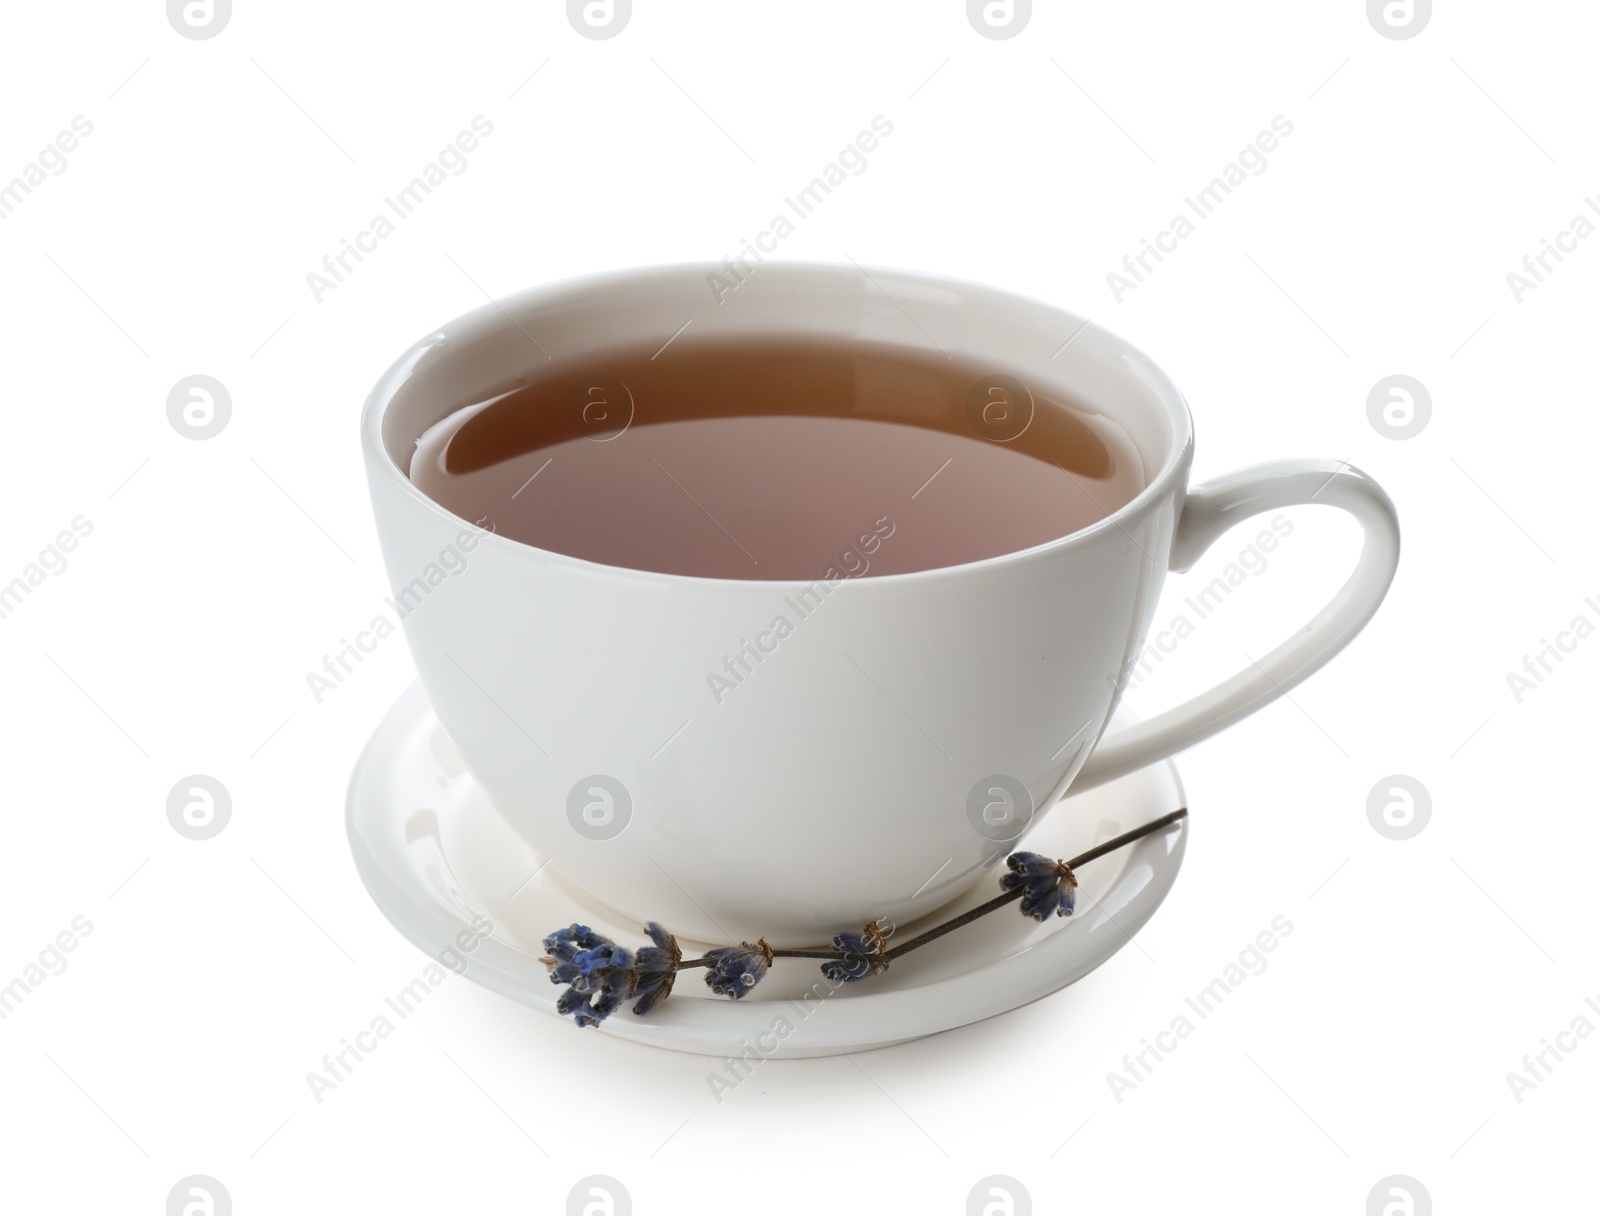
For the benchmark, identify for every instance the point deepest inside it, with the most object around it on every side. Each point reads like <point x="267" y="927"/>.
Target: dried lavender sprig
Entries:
<point x="603" y="974"/>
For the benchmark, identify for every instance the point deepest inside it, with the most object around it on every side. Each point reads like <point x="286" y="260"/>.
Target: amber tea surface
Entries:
<point x="777" y="459"/>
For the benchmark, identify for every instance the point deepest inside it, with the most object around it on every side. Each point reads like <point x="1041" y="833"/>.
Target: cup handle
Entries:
<point x="1209" y="511"/>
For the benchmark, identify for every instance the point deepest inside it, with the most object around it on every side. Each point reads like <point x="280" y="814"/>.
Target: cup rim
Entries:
<point x="1157" y="488"/>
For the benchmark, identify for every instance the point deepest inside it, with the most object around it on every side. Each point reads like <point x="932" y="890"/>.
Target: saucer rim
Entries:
<point x="864" y="1020"/>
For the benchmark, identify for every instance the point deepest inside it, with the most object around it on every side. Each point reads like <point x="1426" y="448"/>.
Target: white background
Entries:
<point x="218" y="573"/>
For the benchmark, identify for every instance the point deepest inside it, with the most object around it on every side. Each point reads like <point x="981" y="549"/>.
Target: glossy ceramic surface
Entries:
<point x="449" y="872"/>
<point x="854" y="760"/>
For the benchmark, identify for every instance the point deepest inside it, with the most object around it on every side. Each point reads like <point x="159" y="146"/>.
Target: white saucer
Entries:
<point x="436" y="856"/>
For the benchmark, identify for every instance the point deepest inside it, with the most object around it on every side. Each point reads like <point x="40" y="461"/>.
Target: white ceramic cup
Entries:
<point x="901" y="738"/>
